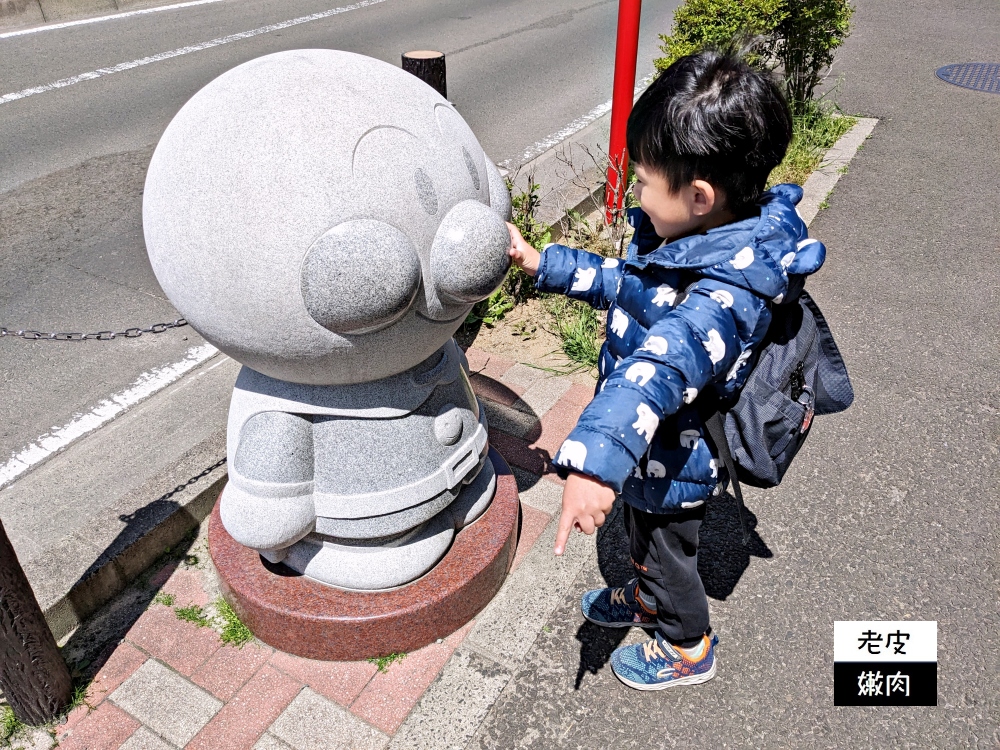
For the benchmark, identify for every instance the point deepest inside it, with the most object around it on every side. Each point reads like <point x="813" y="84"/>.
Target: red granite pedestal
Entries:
<point x="300" y="616"/>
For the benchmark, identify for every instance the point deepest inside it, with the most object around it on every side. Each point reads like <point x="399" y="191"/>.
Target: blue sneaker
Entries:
<point x="656" y="665"/>
<point x="616" y="608"/>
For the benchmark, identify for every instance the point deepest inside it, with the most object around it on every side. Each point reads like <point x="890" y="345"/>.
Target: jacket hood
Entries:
<point x="769" y="254"/>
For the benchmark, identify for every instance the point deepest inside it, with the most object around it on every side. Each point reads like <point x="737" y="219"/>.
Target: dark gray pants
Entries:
<point x="664" y="549"/>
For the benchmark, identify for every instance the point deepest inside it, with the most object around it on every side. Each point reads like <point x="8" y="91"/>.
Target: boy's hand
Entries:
<point x="585" y="504"/>
<point x="522" y="255"/>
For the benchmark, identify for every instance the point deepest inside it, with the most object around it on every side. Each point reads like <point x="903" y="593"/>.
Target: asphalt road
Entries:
<point x="73" y="158"/>
<point x="891" y="511"/>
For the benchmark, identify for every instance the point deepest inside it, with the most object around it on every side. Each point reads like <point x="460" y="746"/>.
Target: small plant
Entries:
<point x="234" y="632"/>
<point x="577" y="325"/>
<point x="546" y="629"/>
<point x="166" y="600"/>
<point x="9" y="724"/>
<point x="384" y="662"/>
<point x="193" y="614"/>
<point x="814" y="131"/>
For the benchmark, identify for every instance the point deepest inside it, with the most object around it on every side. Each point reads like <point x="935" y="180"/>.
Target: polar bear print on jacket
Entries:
<point x="724" y="298"/>
<point x="715" y="347"/>
<point x="610" y="263"/>
<point x="689" y="439"/>
<point x="665" y="294"/>
<point x="640" y="372"/>
<point x="742" y="259"/>
<point x="584" y="279"/>
<point x="619" y="323"/>
<point x="690" y="394"/>
<point x="572" y="453"/>
<point x="655" y="344"/>
<point x="646" y="423"/>
<point x="656" y="469"/>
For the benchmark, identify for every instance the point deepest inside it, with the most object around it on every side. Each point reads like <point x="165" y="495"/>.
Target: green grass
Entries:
<point x="166" y="600"/>
<point x="383" y="662"/>
<point x="813" y="133"/>
<point x="193" y="614"/>
<point x="234" y="632"/>
<point x="577" y="324"/>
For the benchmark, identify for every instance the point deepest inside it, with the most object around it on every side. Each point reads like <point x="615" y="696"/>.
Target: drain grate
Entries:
<point x="975" y="76"/>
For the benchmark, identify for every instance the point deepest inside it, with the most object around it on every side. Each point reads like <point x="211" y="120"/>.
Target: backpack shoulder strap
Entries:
<point x="717" y="431"/>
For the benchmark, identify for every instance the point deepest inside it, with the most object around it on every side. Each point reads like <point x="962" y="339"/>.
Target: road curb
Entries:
<point x="24" y="14"/>
<point x="825" y="177"/>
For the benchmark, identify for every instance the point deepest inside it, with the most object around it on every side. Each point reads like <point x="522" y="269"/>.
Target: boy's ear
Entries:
<point x="704" y="197"/>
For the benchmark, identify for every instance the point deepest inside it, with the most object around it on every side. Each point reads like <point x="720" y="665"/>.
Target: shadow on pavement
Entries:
<point x="722" y="558"/>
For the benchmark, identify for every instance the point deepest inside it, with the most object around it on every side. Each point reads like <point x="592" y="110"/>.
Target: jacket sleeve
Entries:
<point x="580" y="275"/>
<point x="699" y="341"/>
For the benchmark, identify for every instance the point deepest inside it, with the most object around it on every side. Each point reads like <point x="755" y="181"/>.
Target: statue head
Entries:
<point x="324" y="217"/>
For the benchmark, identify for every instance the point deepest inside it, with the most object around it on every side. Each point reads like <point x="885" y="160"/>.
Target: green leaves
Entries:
<point x="797" y="36"/>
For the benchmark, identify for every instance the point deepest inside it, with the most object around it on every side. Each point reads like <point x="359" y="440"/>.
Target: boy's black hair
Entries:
<point x="710" y="116"/>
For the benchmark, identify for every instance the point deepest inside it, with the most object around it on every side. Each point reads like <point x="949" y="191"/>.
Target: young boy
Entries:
<point x="687" y="309"/>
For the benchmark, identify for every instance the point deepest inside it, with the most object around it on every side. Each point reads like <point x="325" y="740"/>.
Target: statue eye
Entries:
<point x="425" y="191"/>
<point x="471" y="166"/>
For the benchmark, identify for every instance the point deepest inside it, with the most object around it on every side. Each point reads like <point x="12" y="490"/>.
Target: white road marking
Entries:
<point x="562" y="134"/>
<point x="144" y="386"/>
<point x="101" y="72"/>
<point x="100" y="19"/>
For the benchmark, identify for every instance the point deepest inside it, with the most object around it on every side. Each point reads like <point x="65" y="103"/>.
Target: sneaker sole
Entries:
<point x="695" y="679"/>
<point x="628" y="624"/>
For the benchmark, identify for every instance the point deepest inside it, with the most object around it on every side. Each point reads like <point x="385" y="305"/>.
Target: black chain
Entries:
<point x="192" y="480"/>
<point x="128" y="333"/>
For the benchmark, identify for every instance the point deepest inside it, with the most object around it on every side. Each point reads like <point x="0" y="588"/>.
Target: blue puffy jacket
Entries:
<point x="682" y="317"/>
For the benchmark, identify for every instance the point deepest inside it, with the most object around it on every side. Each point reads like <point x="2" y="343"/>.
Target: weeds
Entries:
<point x="813" y="133"/>
<point x="167" y="600"/>
<point x="234" y="632"/>
<point x="193" y="614"/>
<point x="578" y="326"/>
<point x="9" y="724"/>
<point x="384" y="662"/>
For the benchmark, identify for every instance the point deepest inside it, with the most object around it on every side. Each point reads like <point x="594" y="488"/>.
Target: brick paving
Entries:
<point x="173" y="684"/>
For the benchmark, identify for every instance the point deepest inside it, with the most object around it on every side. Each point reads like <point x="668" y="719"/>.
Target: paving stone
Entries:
<point x="389" y="697"/>
<point x="182" y="645"/>
<point x="104" y="729"/>
<point x="522" y="375"/>
<point x="538" y="492"/>
<point x="542" y="396"/>
<point x="270" y="742"/>
<point x="229" y="668"/>
<point x="312" y="722"/>
<point x="163" y="574"/>
<point x="341" y="681"/>
<point x="517" y="453"/>
<point x="493" y="390"/>
<point x="488" y="364"/>
<point x="243" y="719"/>
<point x="187" y="588"/>
<point x="508" y="627"/>
<point x="557" y="424"/>
<point x="455" y="705"/>
<point x="579" y="395"/>
<point x="124" y="660"/>
<point x="144" y="739"/>
<point x="533" y="523"/>
<point x="512" y="421"/>
<point x="165" y="702"/>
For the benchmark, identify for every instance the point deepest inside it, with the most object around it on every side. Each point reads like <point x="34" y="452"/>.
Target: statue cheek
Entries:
<point x="360" y="276"/>
<point x="469" y="256"/>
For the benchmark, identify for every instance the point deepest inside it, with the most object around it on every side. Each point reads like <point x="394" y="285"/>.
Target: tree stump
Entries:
<point x="429" y="67"/>
<point x="33" y="675"/>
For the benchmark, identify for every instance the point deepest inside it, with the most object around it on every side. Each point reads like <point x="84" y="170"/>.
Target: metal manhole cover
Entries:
<point x="975" y="76"/>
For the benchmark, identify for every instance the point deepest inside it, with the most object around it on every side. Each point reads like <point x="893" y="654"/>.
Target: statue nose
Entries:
<point x="469" y="255"/>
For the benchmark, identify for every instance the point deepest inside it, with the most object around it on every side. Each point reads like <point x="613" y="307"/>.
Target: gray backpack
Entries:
<point x="799" y="374"/>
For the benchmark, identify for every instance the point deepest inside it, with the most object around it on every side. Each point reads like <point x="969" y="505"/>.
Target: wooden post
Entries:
<point x="33" y="675"/>
<point x="429" y="67"/>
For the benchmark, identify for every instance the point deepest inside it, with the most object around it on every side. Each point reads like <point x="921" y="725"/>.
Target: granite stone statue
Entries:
<point x="328" y="221"/>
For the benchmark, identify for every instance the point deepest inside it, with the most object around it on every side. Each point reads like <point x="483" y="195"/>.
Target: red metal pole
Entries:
<point x="626" y="52"/>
